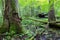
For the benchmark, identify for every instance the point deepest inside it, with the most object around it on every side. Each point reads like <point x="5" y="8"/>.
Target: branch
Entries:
<point x="43" y="21"/>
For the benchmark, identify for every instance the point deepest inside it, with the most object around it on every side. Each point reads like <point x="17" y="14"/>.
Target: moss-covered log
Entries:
<point x="42" y="21"/>
<point x="52" y="24"/>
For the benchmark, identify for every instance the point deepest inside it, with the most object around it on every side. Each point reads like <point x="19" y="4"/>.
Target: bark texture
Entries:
<point x="11" y="18"/>
<point x="51" y="13"/>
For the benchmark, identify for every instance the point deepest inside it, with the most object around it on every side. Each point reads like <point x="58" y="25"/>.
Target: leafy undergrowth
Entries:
<point x="43" y="35"/>
<point x="33" y="31"/>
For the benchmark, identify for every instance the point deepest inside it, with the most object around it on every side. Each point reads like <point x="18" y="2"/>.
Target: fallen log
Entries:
<point x="43" y="21"/>
<point x="52" y="24"/>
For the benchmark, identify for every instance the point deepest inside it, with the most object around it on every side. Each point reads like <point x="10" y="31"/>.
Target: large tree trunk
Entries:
<point x="11" y="18"/>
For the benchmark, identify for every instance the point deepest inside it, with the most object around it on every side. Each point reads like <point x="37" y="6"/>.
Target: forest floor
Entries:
<point x="42" y="34"/>
<point x="45" y="35"/>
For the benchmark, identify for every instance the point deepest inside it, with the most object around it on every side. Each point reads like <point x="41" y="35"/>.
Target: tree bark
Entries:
<point x="11" y="18"/>
<point x="51" y="16"/>
<point x="51" y="13"/>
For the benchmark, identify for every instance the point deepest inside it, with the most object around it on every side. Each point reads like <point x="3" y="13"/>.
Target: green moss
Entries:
<point x="13" y="29"/>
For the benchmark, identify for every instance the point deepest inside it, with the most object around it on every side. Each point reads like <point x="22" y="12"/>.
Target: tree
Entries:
<point x="10" y="17"/>
<point x="51" y="16"/>
<point x="51" y="13"/>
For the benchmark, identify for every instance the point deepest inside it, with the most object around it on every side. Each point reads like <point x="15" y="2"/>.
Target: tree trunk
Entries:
<point x="11" y="19"/>
<point x="51" y="13"/>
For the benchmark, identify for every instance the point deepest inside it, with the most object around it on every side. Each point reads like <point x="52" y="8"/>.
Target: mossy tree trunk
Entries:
<point x="11" y="19"/>
<point x="51" y="13"/>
